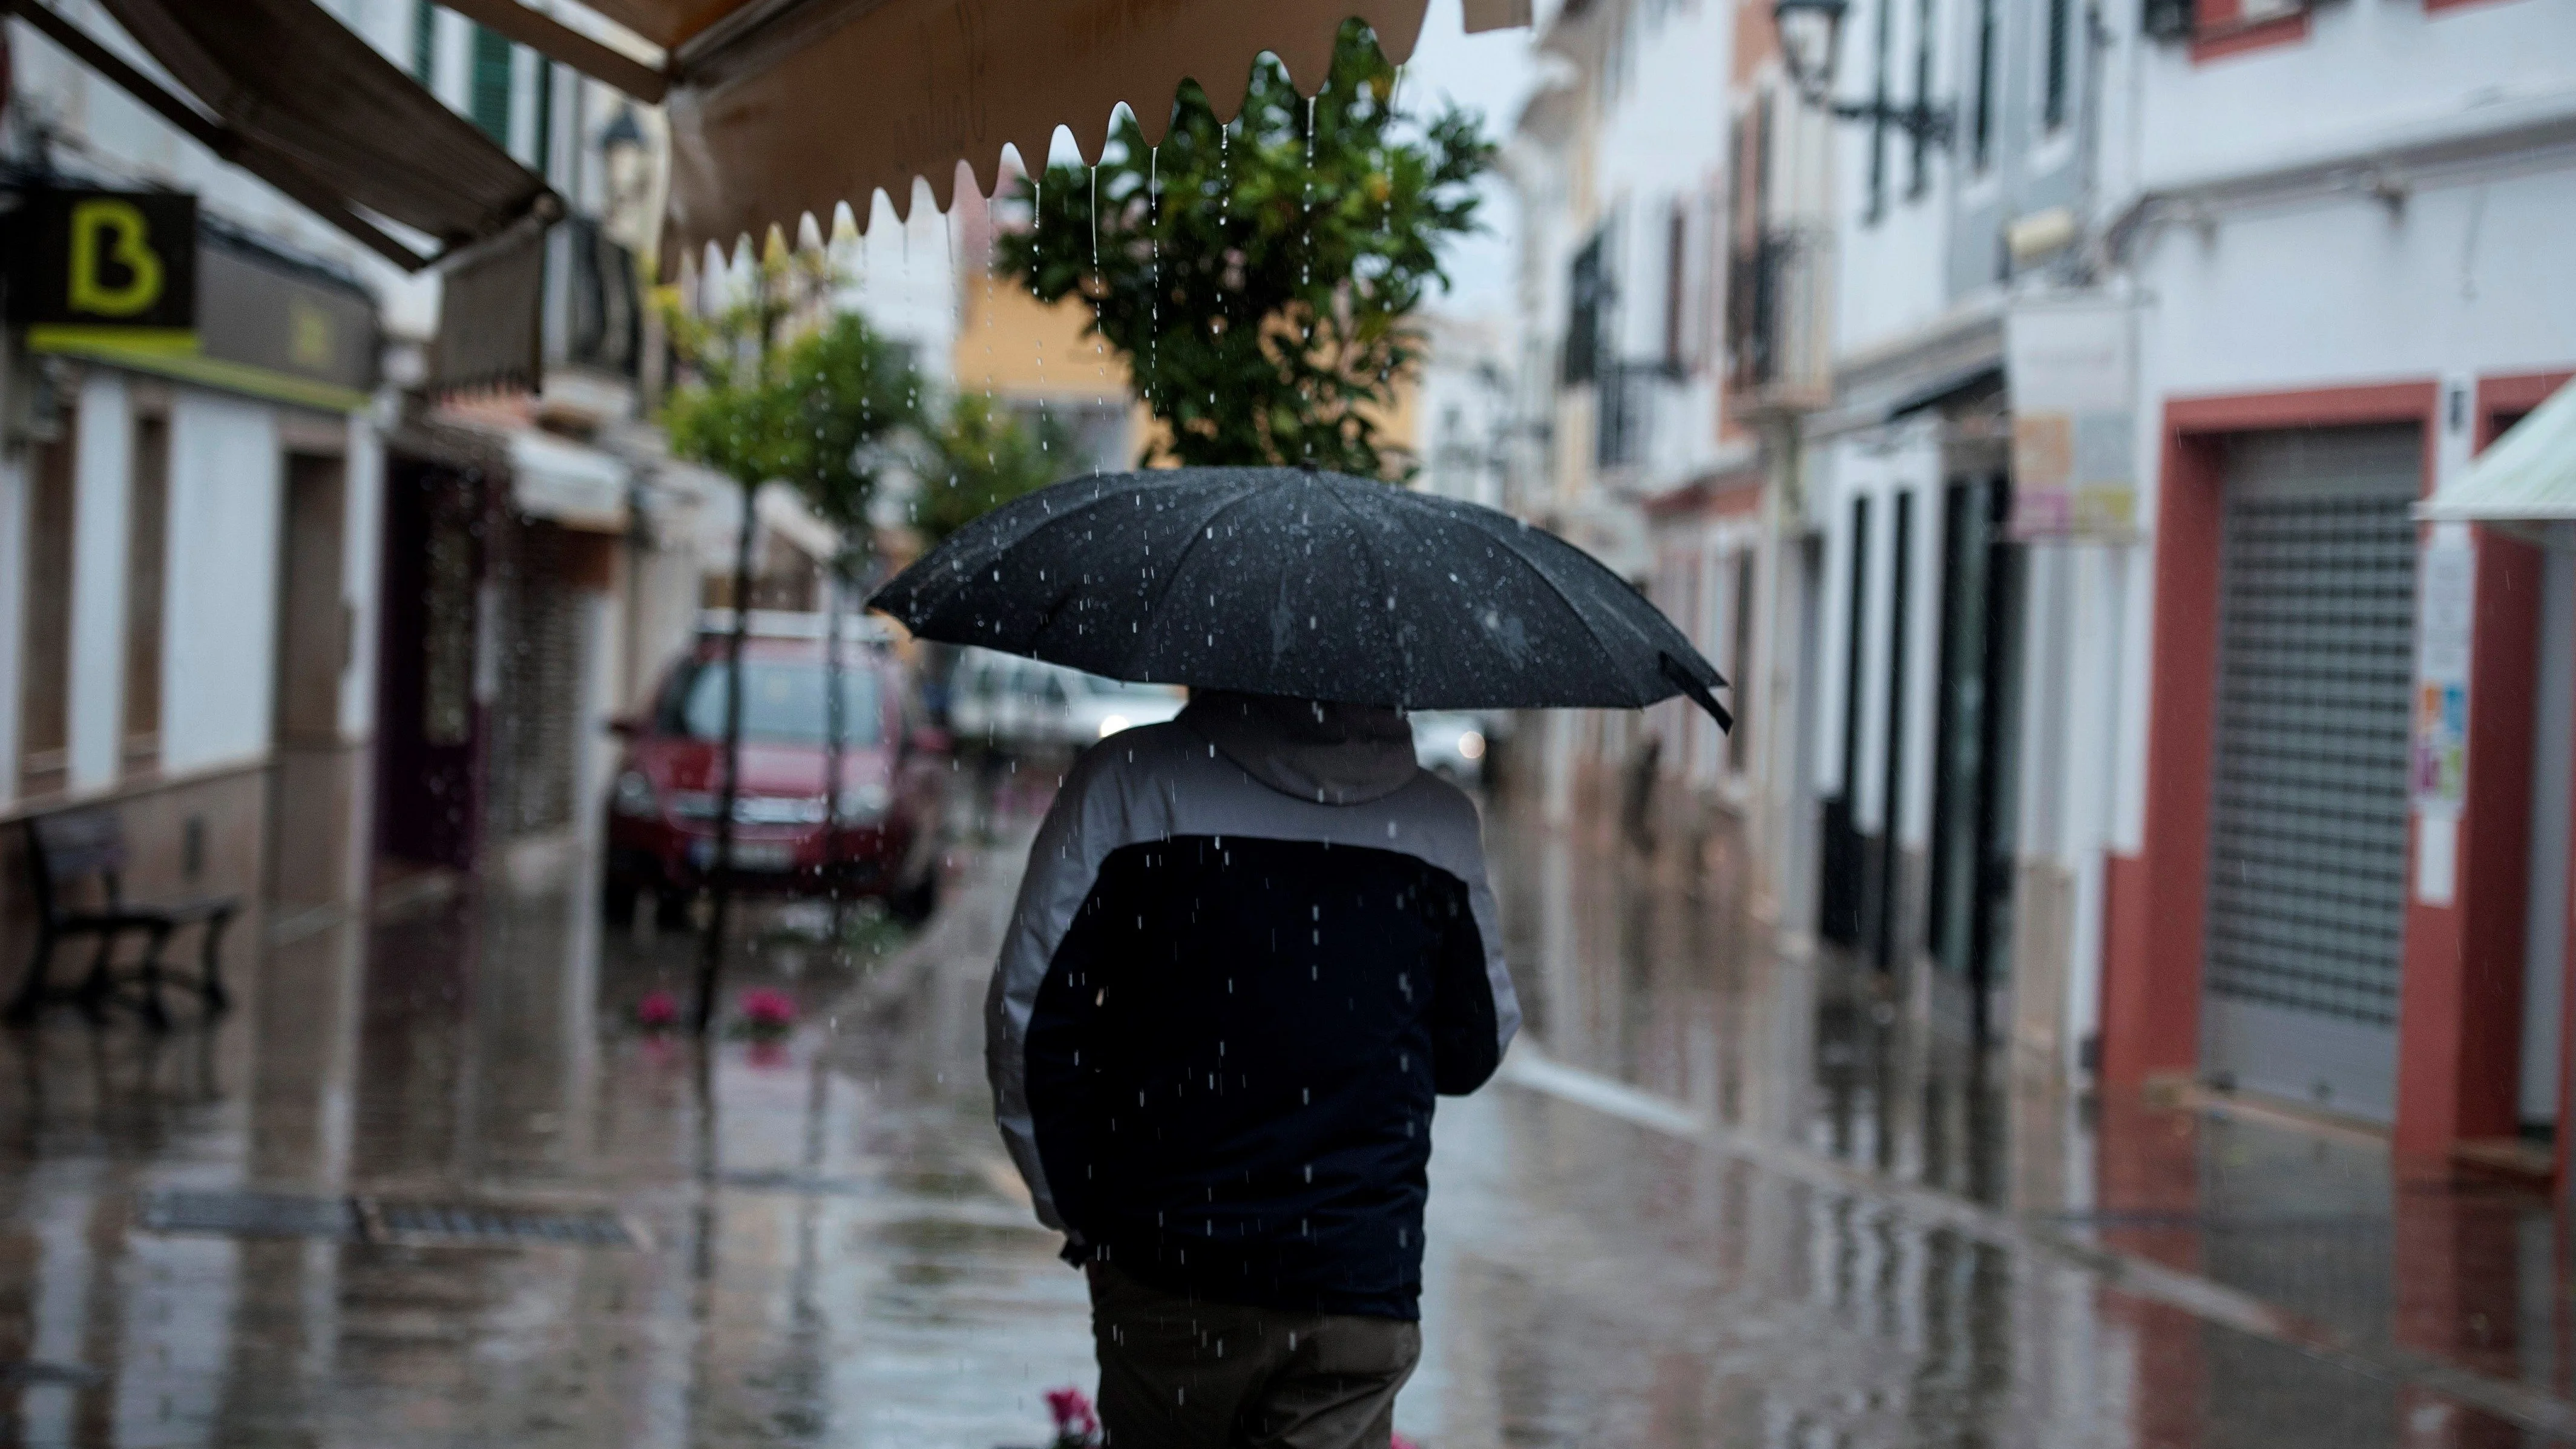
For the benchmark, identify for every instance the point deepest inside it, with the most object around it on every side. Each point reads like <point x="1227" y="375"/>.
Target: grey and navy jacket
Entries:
<point x="1251" y="946"/>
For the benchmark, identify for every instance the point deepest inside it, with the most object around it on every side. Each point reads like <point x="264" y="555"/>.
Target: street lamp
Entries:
<point x="1811" y="39"/>
<point x="626" y="158"/>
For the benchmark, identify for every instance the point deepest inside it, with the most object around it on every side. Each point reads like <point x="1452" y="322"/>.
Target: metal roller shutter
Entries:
<point x="2307" y="860"/>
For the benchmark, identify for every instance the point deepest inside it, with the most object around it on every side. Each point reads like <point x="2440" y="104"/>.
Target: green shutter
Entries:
<point x="545" y="152"/>
<point x="488" y="103"/>
<point x="424" y="40"/>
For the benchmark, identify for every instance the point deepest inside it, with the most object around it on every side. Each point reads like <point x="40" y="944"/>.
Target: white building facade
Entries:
<point x="2344" y="229"/>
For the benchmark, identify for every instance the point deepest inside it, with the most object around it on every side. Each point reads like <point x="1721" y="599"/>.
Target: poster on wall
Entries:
<point x="2069" y="363"/>
<point x="2437" y="760"/>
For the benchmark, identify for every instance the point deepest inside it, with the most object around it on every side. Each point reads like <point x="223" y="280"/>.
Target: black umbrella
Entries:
<point x="1285" y="581"/>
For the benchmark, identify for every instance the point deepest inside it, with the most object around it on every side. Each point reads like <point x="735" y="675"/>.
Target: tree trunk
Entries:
<point x="835" y="729"/>
<point x="720" y="884"/>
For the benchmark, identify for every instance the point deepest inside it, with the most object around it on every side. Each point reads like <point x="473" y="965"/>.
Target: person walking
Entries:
<point x="1251" y="947"/>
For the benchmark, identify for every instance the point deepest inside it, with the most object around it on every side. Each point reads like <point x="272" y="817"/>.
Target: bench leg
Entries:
<point x="33" y="990"/>
<point x="100" y="983"/>
<point x="210" y="977"/>
<point x="154" y="1015"/>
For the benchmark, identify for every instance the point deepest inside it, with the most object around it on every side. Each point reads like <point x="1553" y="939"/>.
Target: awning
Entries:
<point x="2529" y="475"/>
<point x="781" y="108"/>
<point x="283" y="90"/>
<point x="568" y="484"/>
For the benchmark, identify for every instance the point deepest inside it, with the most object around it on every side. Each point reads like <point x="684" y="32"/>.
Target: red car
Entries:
<point x="662" y="809"/>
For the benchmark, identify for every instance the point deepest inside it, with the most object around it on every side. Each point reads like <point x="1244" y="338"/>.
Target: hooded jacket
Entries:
<point x="1251" y="946"/>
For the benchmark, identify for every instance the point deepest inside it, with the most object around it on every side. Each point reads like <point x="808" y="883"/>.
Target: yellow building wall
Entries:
<point x="1014" y="346"/>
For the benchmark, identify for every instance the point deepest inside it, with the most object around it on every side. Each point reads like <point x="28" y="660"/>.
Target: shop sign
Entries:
<point x="2069" y="366"/>
<point x="287" y="322"/>
<point x="226" y="313"/>
<point x="104" y="263"/>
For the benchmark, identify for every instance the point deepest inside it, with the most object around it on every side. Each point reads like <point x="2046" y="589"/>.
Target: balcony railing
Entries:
<point x="1777" y="349"/>
<point x="603" y="316"/>
<point x="1624" y="423"/>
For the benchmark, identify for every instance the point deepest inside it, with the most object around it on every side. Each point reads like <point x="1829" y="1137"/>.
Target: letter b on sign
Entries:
<point x="115" y="272"/>
<point x="106" y="261"/>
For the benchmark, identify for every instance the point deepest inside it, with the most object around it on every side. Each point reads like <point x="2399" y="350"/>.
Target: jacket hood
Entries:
<point x="1332" y="754"/>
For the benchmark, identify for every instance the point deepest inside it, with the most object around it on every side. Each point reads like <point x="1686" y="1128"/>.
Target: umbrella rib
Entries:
<point x="1202" y="530"/>
<point x="1047" y="617"/>
<point x="992" y="550"/>
<point x="1395" y="634"/>
<point x="1580" y="617"/>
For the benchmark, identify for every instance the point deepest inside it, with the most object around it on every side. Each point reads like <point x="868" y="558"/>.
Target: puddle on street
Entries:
<point x="835" y="1253"/>
<point x="1666" y="986"/>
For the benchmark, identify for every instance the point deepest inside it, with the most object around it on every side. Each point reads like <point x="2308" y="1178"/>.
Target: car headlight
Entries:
<point x="1112" y="724"/>
<point x="865" y="803"/>
<point x="1471" y="746"/>
<point x="634" y="797"/>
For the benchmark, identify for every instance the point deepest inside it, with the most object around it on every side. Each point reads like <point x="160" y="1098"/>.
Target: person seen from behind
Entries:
<point x="1251" y="947"/>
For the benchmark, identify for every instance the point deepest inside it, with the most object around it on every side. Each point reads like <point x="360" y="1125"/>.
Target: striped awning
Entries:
<point x="2528" y="475"/>
<point x="285" y="91"/>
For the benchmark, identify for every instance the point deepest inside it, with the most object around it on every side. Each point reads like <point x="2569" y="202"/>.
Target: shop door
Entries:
<point x="539" y="713"/>
<point x="1843" y="864"/>
<point x="430" y="705"/>
<point x="2307" y="857"/>
<point x="1975" y="771"/>
<point x="312" y="786"/>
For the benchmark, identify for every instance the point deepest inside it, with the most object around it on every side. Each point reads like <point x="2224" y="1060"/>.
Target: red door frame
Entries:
<point x="2501" y="400"/>
<point x="2452" y="1078"/>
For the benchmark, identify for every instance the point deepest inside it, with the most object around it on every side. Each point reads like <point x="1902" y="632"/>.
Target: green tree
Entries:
<point x="981" y="458"/>
<point x="1257" y="277"/>
<point x="810" y="413"/>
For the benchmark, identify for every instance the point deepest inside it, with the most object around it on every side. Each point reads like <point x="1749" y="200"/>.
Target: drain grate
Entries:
<point x="248" y="1215"/>
<point x="777" y="1179"/>
<point x="437" y="1222"/>
<point x="376" y="1220"/>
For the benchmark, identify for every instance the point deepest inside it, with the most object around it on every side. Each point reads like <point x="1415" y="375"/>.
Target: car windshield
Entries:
<point x="782" y="702"/>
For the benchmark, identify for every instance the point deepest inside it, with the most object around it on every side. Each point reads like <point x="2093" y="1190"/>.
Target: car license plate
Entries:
<point x="746" y="854"/>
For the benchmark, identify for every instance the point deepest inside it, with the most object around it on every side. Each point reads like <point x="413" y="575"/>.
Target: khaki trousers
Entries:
<point x="1177" y="1373"/>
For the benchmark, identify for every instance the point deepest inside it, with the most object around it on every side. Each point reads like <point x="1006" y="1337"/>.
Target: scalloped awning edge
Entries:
<point x="910" y="88"/>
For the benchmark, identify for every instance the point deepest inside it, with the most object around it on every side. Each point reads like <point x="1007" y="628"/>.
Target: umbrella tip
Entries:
<point x="1698" y="693"/>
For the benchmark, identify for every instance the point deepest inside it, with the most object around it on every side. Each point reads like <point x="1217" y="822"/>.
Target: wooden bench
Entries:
<point x="67" y="852"/>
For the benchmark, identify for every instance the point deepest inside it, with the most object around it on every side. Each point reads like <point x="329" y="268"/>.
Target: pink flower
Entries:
<point x="767" y="1010"/>
<point x="658" y="1011"/>
<point x="1075" y="1420"/>
<point x="1403" y="1443"/>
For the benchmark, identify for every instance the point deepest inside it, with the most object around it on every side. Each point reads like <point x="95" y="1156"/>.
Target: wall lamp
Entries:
<point x="1811" y="39"/>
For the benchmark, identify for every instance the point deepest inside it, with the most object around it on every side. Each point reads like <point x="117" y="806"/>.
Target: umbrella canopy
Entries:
<point x="1285" y="581"/>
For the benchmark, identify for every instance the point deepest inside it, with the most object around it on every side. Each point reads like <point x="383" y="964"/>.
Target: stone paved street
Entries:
<point x="1719" y="1198"/>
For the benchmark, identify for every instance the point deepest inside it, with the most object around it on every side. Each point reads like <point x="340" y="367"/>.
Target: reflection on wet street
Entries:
<point x="824" y="1256"/>
<point x="1865" y="1229"/>
<point x="1723" y="1197"/>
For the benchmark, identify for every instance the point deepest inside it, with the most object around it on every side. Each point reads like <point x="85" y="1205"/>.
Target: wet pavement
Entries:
<point x="1721" y="1198"/>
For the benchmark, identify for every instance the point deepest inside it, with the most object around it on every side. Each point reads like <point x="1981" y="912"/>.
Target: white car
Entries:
<point x="1098" y="708"/>
<point x="1006" y="702"/>
<point x="1453" y="743"/>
